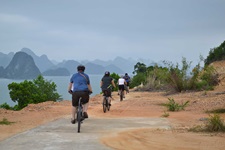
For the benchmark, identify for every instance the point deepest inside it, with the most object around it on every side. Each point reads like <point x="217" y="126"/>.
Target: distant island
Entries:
<point x="30" y="65"/>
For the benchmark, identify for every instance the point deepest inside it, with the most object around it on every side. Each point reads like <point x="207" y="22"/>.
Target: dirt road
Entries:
<point x="137" y="111"/>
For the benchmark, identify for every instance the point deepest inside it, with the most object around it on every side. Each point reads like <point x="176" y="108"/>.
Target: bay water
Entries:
<point x="62" y="83"/>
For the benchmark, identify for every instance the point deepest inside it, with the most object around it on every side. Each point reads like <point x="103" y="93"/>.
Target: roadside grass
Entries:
<point x="218" y="111"/>
<point x="213" y="124"/>
<point x="174" y="106"/>
<point x="165" y="115"/>
<point x="5" y="121"/>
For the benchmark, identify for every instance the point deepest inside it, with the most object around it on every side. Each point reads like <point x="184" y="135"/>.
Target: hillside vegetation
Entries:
<point x="216" y="54"/>
<point x="176" y="77"/>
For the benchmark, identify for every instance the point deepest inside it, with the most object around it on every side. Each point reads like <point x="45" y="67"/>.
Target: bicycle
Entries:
<point x="121" y="94"/>
<point x="79" y="115"/>
<point x="105" y="104"/>
<point x="106" y="94"/>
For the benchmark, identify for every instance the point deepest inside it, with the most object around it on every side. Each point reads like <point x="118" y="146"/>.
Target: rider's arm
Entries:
<point x="101" y="84"/>
<point x="70" y="87"/>
<point x="89" y="87"/>
<point x="113" y="83"/>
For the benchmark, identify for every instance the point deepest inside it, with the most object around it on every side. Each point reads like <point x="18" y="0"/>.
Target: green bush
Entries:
<point x="166" y="114"/>
<point x="6" y="106"/>
<point x="178" y="76"/>
<point x="212" y="124"/>
<point x="216" y="54"/>
<point x="215" y="124"/>
<point x="156" y="78"/>
<point x="5" y="122"/>
<point x="138" y="80"/>
<point x="27" y="92"/>
<point x="173" y="106"/>
<point x="116" y="78"/>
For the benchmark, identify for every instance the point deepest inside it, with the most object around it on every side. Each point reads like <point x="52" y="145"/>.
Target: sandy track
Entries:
<point x="136" y="104"/>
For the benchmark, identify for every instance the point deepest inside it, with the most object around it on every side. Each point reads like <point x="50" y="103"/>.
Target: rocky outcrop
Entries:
<point x="22" y="66"/>
<point x="42" y="62"/>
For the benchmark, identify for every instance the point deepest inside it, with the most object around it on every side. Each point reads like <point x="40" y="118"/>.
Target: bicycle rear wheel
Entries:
<point x="107" y="102"/>
<point x="104" y="104"/>
<point x="121" y="95"/>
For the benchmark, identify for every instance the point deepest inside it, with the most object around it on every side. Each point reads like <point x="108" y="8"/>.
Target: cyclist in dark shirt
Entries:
<point x="105" y="84"/>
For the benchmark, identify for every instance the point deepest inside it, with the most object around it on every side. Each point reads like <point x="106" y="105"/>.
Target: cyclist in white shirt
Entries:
<point x="121" y="83"/>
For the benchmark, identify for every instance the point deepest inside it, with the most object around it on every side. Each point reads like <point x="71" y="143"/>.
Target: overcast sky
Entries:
<point x="104" y="29"/>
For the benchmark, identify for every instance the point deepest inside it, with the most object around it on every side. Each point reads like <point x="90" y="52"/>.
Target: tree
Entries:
<point x="116" y="78"/>
<point x="28" y="92"/>
<point x="21" y="93"/>
<point x="140" y="68"/>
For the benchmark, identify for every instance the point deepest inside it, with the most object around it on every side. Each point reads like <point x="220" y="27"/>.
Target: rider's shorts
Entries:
<point x="76" y="96"/>
<point x="107" y="93"/>
<point x="121" y="87"/>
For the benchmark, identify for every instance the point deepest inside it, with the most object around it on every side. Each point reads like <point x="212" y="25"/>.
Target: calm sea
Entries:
<point x="61" y="82"/>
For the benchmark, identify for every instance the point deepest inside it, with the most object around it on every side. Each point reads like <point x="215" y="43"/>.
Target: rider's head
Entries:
<point x="107" y="73"/>
<point x="126" y="74"/>
<point x="80" y="68"/>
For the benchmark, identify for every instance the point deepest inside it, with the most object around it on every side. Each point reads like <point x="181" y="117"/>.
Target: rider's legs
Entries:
<point x="128" y="84"/>
<point x="75" y="100"/>
<point x="74" y="112"/>
<point x="85" y="107"/>
<point x="85" y="103"/>
<point x="122" y="87"/>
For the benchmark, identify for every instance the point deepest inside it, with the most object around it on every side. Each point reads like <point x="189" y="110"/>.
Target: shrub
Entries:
<point x="116" y="78"/>
<point x="177" y="78"/>
<point x="138" y="80"/>
<point x="215" y="124"/>
<point x="28" y="92"/>
<point x="173" y="106"/>
<point x="5" y="122"/>
<point x="6" y="106"/>
<point x="216" y="54"/>
<point x="212" y="124"/>
<point x="166" y="114"/>
<point x="156" y="78"/>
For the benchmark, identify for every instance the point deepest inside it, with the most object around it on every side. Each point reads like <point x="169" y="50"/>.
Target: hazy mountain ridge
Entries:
<point x="119" y="65"/>
<point x="42" y="62"/>
<point x="5" y="59"/>
<point x="22" y="66"/>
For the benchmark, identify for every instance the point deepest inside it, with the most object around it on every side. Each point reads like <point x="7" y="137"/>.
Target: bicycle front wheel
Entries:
<point x="79" y="116"/>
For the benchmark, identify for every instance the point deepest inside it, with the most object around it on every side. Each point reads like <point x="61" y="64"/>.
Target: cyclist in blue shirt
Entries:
<point x="79" y="87"/>
<point x="127" y="79"/>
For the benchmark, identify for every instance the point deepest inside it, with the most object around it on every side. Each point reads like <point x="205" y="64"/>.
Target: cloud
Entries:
<point x="17" y="20"/>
